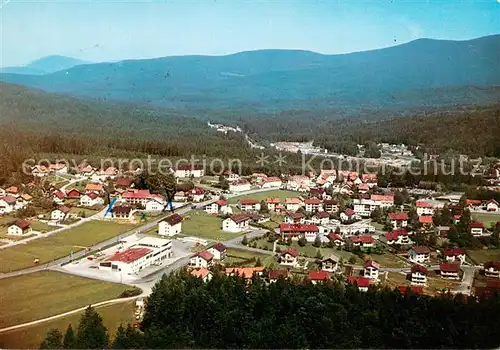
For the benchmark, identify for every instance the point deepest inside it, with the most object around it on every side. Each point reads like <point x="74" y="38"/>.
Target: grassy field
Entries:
<point x="268" y="194"/>
<point x="387" y="260"/>
<point x="486" y="219"/>
<point x="31" y="337"/>
<point x="483" y="255"/>
<point x="86" y="211"/>
<point x="242" y="257"/>
<point x="200" y="224"/>
<point x="42" y="294"/>
<point x="59" y="244"/>
<point x="41" y="227"/>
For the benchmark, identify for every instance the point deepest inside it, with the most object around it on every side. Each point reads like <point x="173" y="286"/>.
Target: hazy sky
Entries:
<point x="101" y="30"/>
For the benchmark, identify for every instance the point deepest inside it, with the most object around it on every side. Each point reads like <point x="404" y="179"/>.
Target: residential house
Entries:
<point x="295" y="231"/>
<point x="245" y="272"/>
<point x="122" y="212"/>
<point x="454" y="255"/>
<point x="60" y="214"/>
<point x="170" y="226"/>
<point x="477" y="229"/>
<point x="299" y="183"/>
<point x="40" y="171"/>
<point x="492" y="206"/>
<point x="7" y="204"/>
<point x="425" y="208"/>
<point x="231" y="176"/>
<point x="313" y="205"/>
<point x="259" y="219"/>
<point x="91" y="199"/>
<point x="259" y="177"/>
<point x="124" y="182"/>
<point x="104" y="174"/>
<point x="363" y="188"/>
<point x="241" y="185"/>
<point x="327" y="177"/>
<point x="73" y="194"/>
<point x="189" y="170"/>
<point x="383" y="200"/>
<point x="370" y="180"/>
<point x="197" y="194"/>
<point x="371" y="269"/>
<point x="418" y="275"/>
<point x="19" y="228"/>
<point x="426" y="221"/>
<point x="272" y="203"/>
<point x="136" y="197"/>
<point x="330" y="205"/>
<point x="451" y="271"/>
<point x="363" y="241"/>
<point x="330" y="264"/>
<point x="58" y="197"/>
<point x="155" y="203"/>
<point x="220" y="206"/>
<point x="419" y="254"/>
<point x="271" y="182"/>
<point x="348" y="215"/>
<point x="289" y="257"/>
<point x="219" y="251"/>
<point x="236" y="222"/>
<point x="318" y="276"/>
<point x="294" y="218"/>
<point x="204" y="274"/>
<point x="180" y="196"/>
<point x="85" y="170"/>
<point x="275" y="275"/>
<point x="13" y="191"/>
<point x="398" y="220"/>
<point x="293" y="204"/>
<point x="361" y="282"/>
<point x="336" y="239"/>
<point x="248" y="204"/>
<point x="492" y="269"/>
<point x="318" y="192"/>
<point x="321" y="218"/>
<point x="201" y="259"/>
<point x="397" y="237"/>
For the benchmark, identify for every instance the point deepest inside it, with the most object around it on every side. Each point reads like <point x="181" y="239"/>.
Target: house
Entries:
<point x="414" y="289"/>
<point x="91" y="199"/>
<point x="249" y="204"/>
<point x="451" y="271"/>
<point x="201" y="259"/>
<point x="189" y="170"/>
<point x="236" y="222"/>
<point x="85" y="170"/>
<point x="274" y="275"/>
<point x="363" y="241"/>
<point x="122" y="212"/>
<point x="348" y="215"/>
<point x="136" y="197"/>
<point x="204" y="274"/>
<point x="293" y="204"/>
<point x="361" y="282"/>
<point x="7" y="204"/>
<point x="295" y="231"/>
<point x="313" y="205"/>
<point x="272" y="203"/>
<point x="124" y="182"/>
<point x="330" y="264"/>
<point x="383" y="200"/>
<point x="58" y="197"/>
<point x="298" y="182"/>
<point x="318" y="276"/>
<point x="180" y="196"/>
<point x="330" y="205"/>
<point x="321" y="218"/>
<point x="318" y="192"/>
<point x="197" y="194"/>
<point x="426" y="221"/>
<point x="19" y="228"/>
<point x="218" y="251"/>
<point x="170" y="226"/>
<point x="295" y="218"/>
<point x="454" y="255"/>
<point x="418" y="275"/>
<point x="96" y="188"/>
<point x="425" y="208"/>
<point x="220" y="206"/>
<point x="363" y="188"/>
<point x="492" y="269"/>
<point x="13" y="190"/>
<point x="327" y="177"/>
<point x="73" y="194"/>
<point x="102" y="175"/>
<point x="397" y="237"/>
<point x="155" y="203"/>
<point x="271" y="182"/>
<point x="336" y="239"/>
<point x="492" y="206"/>
<point x="259" y="219"/>
<point x="40" y="171"/>
<point x="371" y="269"/>
<point x="288" y="257"/>
<point x="476" y="229"/>
<point x="419" y="254"/>
<point x="60" y="214"/>
<point x="370" y="180"/>
<point x="245" y="272"/>
<point x="241" y="185"/>
<point x="398" y="220"/>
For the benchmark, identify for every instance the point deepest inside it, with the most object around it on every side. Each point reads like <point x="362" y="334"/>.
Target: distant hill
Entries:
<point x="404" y="76"/>
<point x="45" y="65"/>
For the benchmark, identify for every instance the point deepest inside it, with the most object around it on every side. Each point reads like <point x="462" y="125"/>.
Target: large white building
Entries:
<point x="236" y="223"/>
<point x="188" y="170"/>
<point x="170" y="226"/>
<point x="146" y="252"/>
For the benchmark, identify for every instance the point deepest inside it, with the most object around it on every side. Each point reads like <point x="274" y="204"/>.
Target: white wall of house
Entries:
<point x="165" y="229"/>
<point x="57" y="215"/>
<point x="14" y="230"/>
<point x="229" y="225"/>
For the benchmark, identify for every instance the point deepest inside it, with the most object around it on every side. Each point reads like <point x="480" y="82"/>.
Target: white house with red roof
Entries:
<point x="219" y="251"/>
<point x="135" y="196"/>
<point x="371" y="269"/>
<point x="293" y="204"/>
<point x="155" y="203"/>
<point x="91" y="199"/>
<point x="418" y="275"/>
<point x="363" y="241"/>
<point x="73" y="194"/>
<point x="231" y="176"/>
<point x="201" y="259"/>
<point x="419" y="254"/>
<point x="294" y="218"/>
<point x="426" y="220"/>
<point x="220" y="206"/>
<point x="295" y="231"/>
<point x="104" y="174"/>
<point x="240" y="185"/>
<point x="271" y="182"/>
<point x="61" y="213"/>
<point x="249" y="204"/>
<point x="236" y="222"/>
<point x="492" y="206"/>
<point x="58" y="197"/>
<point x="361" y="282"/>
<point x="188" y="170"/>
<point x="85" y="170"/>
<point x="425" y="208"/>
<point x="7" y="204"/>
<point x="273" y="203"/>
<point x="492" y="269"/>
<point x="299" y="183"/>
<point x="288" y="257"/>
<point x="197" y="194"/>
<point x="318" y="276"/>
<point x="365" y="206"/>
<point x="313" y="205"/>
<point x="320" y="218"/>
<point x="477" y="229"/>
<point x="330" y="205"/>
<point x="170" y="226"/>
<point x="398" y="220"/>
<point x="454" y="255"/>
<point x="397" y="237"/>
<point x="19" y="228"/>
<point x="336" y="239"/>
<point x="348" y="215"/>
<point x="450" y="271"/>
<point x="204" y="274"/>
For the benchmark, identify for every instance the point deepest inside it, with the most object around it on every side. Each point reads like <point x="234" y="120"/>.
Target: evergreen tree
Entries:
<point x="53" y="340"/>
<point x="69" y="338"/>
<point x="317" y="242"/>
<point x="244" y="240"/>
<point x="258" y="262"/>
<point x="128" y="338"/>
<point x="445" y="216"/>
<point x="91" y="332"/>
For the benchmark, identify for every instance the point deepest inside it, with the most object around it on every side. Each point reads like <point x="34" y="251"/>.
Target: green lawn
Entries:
<point x="268" y="194"/>
<point x="59" y="244"/>
<point x="86" y="211"/>
<point x="43" y="294"/>
<point x="486" y="219"/>
<point x="200" y="224"/>
<point x="41" y="227"/>
<point x="482" y="255"/>
<point x="388" y="260"/>
<point x="242" y="257"/>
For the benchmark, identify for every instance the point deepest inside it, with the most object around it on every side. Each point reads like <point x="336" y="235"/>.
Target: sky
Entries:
<point x="113" y="30"/>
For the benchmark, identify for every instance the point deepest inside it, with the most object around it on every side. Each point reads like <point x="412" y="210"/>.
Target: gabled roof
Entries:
<point x="9" y="199"/>
<point x="423" y="204"/>
<point x="333" y="258"/>
<point x="173" y="219"/>
<point x="298" y="228"/>
<point x="275" y="274"/>
<point x="492" y="264"/>
<point x="477" y="225"/>
<point x="419" y="268"/>
<point x="297" y="215"/>
<point x="22" y="224"/>
<point x="393" y="235"/>
<point x="205" y="255"/>
<point x="200" y="273"/>
<point x="398" y="216"/>
<point x="371" y="263"/>
<point x="248" y="201"/>
<point x="124" y="182"/>
<point x="361" y="282"/>
<point x="64" y="209"/>
<point x="363" y="239"/>
<point x="136" y="194"/>
<point x="94" y="187"/>
<point x="293" y="201"/>
<point x="330" y="202"/>
<point x="273" y="200"/>
<point x="59" y="194"/>
<point x="420" y="249"/>
<point x="318" y="275"/>
<point x="219" y="247"/>
<point x="271" y="179"/>
<point x="92" y="195"/>
<point x="121" y="209"/>
<point x="449" y="267"/>
<point x="221" y="202"/>
<point x="425" y="219"/>
<point x="453" y="252"/>
<point x="349" y="212"/>
<point x="335" y="237"/>
<point x="291" y="252"/>
<point x="237" y="218"/>
<point x="26" y="197"/>
<point x="245" y="272"/>
<point x="322" y="215"/>
<point x="189" y="167"/>
<point x="382" y="197"/>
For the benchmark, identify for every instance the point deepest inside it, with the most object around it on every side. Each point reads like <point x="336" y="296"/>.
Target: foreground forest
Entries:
<point x="184" y="312"/>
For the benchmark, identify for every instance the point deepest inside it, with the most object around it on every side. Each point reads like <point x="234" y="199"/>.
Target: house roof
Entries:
<point x="492" y="264"/>
<point x="221" y="202"/>
<point x="245" y="272"/>
<point x="271" y="179"/>
<point x="197" y="191"/>
<point x="382" y="197"/>
<point x="322" y="215"/>
<point x="420" y="249"/>
<point x="393" y="235"/>
<point x="13" y="189"/>
<point x="312" y="201"/>
<point x="473" y="202"/>
<point x="363" y="187"/>
<point x="173" y="219"/>
<point x="121" y="209"/>
<point x="93" y="187"/>
<point x="136" y="194"/>
<point x="92" y="195"/>
<point x="318" y="275"/>
<point x="26" y="197"/>
<point x="22" y="224"/>
<point x="423" y="204"/>
<point x="333" y="258"/>
<point x="124" y="181"/>
<point x="425" y="219"/>
<point x="273" y="200"/>
<point x="335" y="237"/>
<point x="477" y="225"/>
<point x="454" y="252"/>
<point x="298" y="228"/>
<point x="130" y="255"/>
<point x="360" y="281"/>
<point x="291" y="252"/>
<point x="59" y="194"/>
<point x="449" y="267"/>
<point x="330" y="202"/>
<point x="73" y="193"/>
<point x="349" y="212"/>
<point x="64" y="209"/>
<point x="248" y="201"/>
<point x="293" y="201"/>
<point x="419" y="268"/>
<point x="492" y="201"/>
<point x="205" y="255"/>
<point x="414" y="289"/>
<point x="219" y="247"/>
<point x="237" y="218"/>
<point x="200" y="273"/>
<point x="275" y="274"/>
<point x="371" y="263"/>
<point x="297" y="215"/>
<point x="363" y="239"/>
<point x="9" y="199"/>
<point x="369" y="177"/>
<point x="189" y="167"/>
<point x="398" y="216"/>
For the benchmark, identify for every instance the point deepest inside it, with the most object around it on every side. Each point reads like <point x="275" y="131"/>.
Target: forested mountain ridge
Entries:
<point x="421" y="73"/>
<point x="45" y="65"/>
